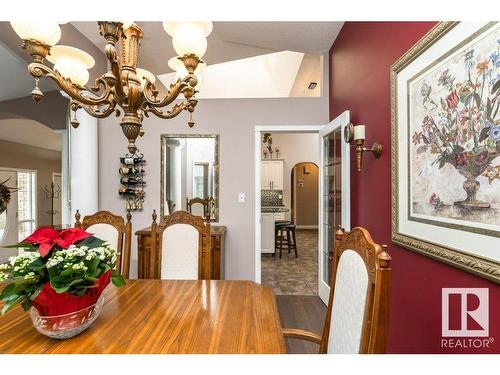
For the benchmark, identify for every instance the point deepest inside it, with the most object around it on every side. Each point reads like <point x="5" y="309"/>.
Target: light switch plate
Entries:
<point x="241" y="197"/>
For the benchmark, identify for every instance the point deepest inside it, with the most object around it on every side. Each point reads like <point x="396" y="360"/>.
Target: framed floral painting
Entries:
<point x="445" y="98"/>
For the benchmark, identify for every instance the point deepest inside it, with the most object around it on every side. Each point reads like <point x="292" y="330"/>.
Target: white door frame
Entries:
<point x="258" y="156"/>
<point x="339" y="121"/>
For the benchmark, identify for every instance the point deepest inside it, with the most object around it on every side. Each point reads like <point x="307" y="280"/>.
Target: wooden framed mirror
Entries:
<point x="190" y="174"/>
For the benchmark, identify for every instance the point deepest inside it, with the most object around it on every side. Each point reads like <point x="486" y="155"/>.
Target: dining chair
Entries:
<point x="183" y="245"/>
<point x="358" y="307"/>
<point x="113" y="229"/>
<point x="199" y="207"/>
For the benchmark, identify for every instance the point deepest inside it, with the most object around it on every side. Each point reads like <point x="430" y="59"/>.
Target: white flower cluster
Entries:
<point x="78" y="258"/>
<point x="18" y="266"/>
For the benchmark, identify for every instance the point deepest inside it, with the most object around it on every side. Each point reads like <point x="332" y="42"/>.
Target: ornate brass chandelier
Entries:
<point x="124" y="89"/>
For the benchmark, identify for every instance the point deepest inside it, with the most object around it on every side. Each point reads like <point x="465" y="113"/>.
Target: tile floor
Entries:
<point x="290" y="275"/>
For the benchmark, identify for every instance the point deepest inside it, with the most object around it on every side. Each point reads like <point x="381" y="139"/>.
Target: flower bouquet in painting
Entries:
<point x="60" y="276"/>
<point x="460" y="122"/>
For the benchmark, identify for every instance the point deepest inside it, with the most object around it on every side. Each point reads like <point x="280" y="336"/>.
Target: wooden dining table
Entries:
<point x="164" y="316"/>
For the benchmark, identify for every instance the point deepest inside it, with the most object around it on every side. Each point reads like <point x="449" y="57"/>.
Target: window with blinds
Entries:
<point x="26" y="203"/>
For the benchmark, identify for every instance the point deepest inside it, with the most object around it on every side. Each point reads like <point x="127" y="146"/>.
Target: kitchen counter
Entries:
<point x="274" y="209"/>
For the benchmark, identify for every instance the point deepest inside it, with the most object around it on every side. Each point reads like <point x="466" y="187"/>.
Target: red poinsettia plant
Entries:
<point x="58" y="272"/>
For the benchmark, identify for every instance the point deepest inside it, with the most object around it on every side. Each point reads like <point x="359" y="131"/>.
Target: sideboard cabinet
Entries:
<point x="145" y="251"/>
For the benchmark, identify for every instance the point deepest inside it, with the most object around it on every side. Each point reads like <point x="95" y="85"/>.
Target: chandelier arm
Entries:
<point x="38" y="70"/>
<point x="176" y="109"/>
<point x="95" y="112"/>
<point x="173" y="92"/>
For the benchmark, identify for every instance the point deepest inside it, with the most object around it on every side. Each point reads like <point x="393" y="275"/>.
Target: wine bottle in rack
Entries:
<point x="130" y="170"/>
<point x="133" y="160"/>
<point x="130" y="191"/>
<point x="132" y="181"/>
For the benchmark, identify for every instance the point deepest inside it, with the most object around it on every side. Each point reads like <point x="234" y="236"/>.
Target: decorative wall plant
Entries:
<point x="5" y="195"/>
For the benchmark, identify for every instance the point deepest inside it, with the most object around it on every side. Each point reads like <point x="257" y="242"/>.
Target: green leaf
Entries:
<point x="9" y="289"/>
<point x="11" y="297"/>
<point x="117" y="279"/>
<point x="67" y="272"/>
<point x="36" y="292"/>
<point x="90" y="278"/>
<point x="91" y="242"/>
<point x="441" y="163"/>
<point x="92" y="266"/>
<point x="23" y="245"/>
<point x="22" y="281"/>
<point x="26" y="304"/>
<point x="9" y="305"/>
<point x="37" y="264"/>
<point x="60" y="284"/>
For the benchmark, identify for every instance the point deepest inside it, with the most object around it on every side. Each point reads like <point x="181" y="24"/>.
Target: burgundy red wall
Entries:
<point x="360" y="59"/>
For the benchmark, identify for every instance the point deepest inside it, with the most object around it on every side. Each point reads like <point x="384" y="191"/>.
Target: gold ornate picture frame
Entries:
<point x="428" y="96"/>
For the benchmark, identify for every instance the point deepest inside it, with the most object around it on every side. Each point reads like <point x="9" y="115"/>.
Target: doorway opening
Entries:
<point x="332" y="156"/>
<point x="289" y="190"/>
<point x="304" y="197"/>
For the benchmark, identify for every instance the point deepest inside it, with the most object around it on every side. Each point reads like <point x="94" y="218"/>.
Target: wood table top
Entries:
<point x="164" y="316"/>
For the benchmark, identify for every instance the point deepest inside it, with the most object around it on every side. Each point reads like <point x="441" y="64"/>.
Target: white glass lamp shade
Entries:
<point x="359" y="132"/>
<point x="71" y="63"/>
<point x="126" y="24"/>
<point x="189" y="37"/>
<point x="145" y="75"/>
<point x="180" y="70"/>
<point x="45" y="32"/>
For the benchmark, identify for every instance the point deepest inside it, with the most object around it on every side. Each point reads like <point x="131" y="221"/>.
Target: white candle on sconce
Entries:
<point x="359" y="132"/>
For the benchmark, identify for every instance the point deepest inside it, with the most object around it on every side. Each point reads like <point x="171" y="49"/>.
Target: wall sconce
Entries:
<point x="357" y="133"/>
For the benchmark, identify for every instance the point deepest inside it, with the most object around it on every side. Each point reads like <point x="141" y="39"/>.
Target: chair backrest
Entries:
<point x="358" y="308"/>
<point x="199" y="207"/>
<point x="113" y="229"/>
<point x="183" y="242"/>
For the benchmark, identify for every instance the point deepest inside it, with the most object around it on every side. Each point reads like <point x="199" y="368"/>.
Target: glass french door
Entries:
<point x="334" y="197"/>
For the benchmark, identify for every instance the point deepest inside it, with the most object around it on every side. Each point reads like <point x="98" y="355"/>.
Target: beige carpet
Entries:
<point x="290" y="275"/>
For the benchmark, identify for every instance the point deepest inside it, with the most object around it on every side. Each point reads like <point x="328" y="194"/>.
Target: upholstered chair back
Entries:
<point x="183" y="242"/>
<point x="105" y="232"/>
<point x="112" y="229"/>
<point x="358" y="309"/>
<point x="349" y="302"/>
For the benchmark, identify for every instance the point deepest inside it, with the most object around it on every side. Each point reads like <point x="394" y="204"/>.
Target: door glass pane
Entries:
<point x="332" y="198"/>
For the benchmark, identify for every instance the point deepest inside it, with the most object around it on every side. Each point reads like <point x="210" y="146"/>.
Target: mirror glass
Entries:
<point x="190" y="174"/>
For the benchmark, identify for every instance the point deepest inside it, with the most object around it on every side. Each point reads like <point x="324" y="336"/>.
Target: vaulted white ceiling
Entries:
<point x="229" y="41"/>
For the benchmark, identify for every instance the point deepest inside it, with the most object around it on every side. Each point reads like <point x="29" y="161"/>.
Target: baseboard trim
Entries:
<point x="306" y="226"/>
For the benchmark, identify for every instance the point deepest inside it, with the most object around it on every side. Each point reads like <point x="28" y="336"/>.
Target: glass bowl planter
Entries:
<point x="67" y="325"/>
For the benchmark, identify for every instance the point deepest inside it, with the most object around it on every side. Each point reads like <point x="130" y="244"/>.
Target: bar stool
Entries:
<point x="286" y="232"/>
<point x="277" y="233"/>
